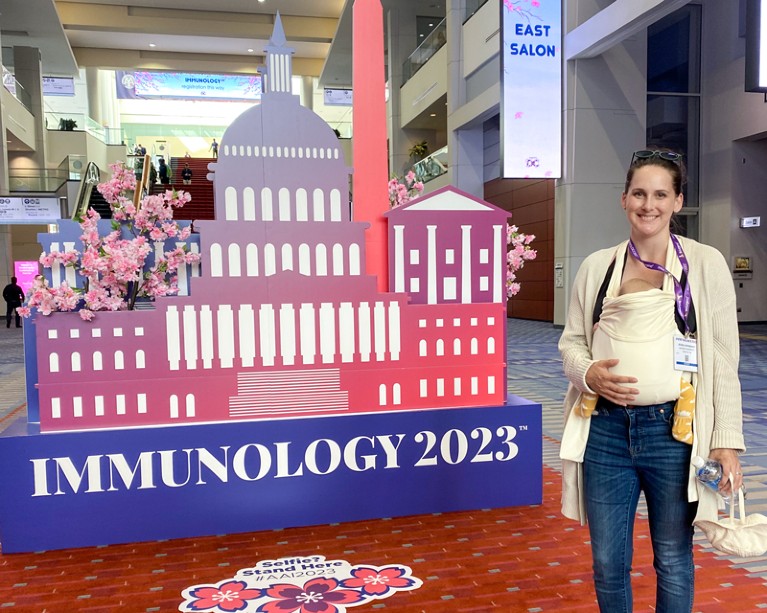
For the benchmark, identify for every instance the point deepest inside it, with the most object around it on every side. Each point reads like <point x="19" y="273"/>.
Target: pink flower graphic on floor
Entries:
<point x="300" y="584"/>
<point x="229" y="596"/>
<point x="316" y="596"/>
<point x="380" y="582"/>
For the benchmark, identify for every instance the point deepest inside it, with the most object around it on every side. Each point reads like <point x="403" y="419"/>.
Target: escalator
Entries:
<point x="88" y="197"/>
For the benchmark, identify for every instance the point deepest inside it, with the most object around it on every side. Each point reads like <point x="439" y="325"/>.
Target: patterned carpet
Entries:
<point x="525" y="559"/>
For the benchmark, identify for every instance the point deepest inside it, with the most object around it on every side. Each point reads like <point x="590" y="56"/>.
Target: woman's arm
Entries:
<point x="585" y="373"/>
<point x="574" y="343"/>
<point x="727" y="437"/>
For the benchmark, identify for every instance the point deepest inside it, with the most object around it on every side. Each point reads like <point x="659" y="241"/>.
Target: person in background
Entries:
<point x="141" y="149"/>
<point x="214" y="148"/>
<point x="186" y="174"/>
<point x="626" y="444"/>
<point x="163" y="171"/>
<point x="187" y="155"/>
<point x="14" y="298"/>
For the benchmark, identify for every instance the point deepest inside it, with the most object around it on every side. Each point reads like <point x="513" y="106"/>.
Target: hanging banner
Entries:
<point x="191" y="86"/>
<point x="531" y="88"/>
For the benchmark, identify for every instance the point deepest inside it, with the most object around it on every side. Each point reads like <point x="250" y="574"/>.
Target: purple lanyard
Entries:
<point x="682" y="295"/>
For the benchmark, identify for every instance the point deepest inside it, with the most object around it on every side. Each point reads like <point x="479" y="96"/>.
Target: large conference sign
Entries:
<point x="756" y="46"/>
<point x="185" y="85"/>
<point x="531" y="88"/>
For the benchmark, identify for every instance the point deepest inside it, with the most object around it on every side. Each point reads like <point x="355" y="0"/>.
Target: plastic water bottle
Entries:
<point x="709" y="473"/>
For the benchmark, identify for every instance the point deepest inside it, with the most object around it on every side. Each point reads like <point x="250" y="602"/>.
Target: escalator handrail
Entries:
<point x="91" y="178"/>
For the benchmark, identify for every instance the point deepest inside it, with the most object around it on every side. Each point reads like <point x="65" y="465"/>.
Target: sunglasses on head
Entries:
<point x="646" y="154"/>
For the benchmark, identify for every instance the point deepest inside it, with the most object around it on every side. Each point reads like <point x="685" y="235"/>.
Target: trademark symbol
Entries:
<point x="522" y="428"/>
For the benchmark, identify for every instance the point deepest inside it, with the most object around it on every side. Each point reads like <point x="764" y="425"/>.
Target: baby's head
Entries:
<point x="633" y="286"/>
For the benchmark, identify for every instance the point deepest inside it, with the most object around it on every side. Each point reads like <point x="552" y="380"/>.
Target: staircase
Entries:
<point x="201" y="190"/>
<point x="97" y="202"/>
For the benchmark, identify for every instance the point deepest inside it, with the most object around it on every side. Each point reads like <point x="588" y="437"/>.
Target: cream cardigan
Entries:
<point x="718" y="413"/>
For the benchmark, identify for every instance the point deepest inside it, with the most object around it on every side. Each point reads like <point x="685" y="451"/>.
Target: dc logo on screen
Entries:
<point x="5" y="200"/>
<point x="31" y="201"/>
<point x="532" y="162"/>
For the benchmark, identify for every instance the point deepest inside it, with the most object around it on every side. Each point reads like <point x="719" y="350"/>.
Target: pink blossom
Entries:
<point x="519" y="253"/>
<point x="114" y="265"/>
<point x="228" y="596"/>
<point x="374" y="581"/>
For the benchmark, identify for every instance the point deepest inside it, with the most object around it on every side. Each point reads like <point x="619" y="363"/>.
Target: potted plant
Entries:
<point x="419" y="150"/>
<point x="67" y="124"/>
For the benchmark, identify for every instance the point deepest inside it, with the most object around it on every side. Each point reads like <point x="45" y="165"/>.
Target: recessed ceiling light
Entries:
<point x="432" y="115"/>
<point x="421" y="35"/>
<point x="431" y="25"/>
<point x="152" y="45"/>
<point x="250" y="50"/>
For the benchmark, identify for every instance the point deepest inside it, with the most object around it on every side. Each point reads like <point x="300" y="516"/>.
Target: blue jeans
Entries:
<point x="631" y="449"/>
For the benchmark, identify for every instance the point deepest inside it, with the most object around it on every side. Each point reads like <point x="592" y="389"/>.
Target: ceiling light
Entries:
<point x="250" y="50"/>
<point x="431" y="25"/>
<point x="421" y="35"/>
<point x="432" y="115"/>
<point x="152" y="45"/>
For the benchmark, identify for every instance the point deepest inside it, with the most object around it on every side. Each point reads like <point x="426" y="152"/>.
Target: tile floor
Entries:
<point x="521" y="559"/>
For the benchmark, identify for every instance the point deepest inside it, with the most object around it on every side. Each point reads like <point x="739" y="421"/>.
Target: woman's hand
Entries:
<point x="730" y="462"/>
<point x="610" y="386"/>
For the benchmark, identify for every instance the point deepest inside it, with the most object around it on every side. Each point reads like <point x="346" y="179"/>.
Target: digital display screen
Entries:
<point x="756" y="46"/>
<point x="25" y="273"/>
<point x="190" y="86"/>
<point x="531" y="89"/>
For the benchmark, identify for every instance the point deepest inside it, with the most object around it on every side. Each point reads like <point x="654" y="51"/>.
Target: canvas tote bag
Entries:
<point x="745" y="536"/>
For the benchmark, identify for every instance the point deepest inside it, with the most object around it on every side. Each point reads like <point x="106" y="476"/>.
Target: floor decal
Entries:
<point x="309" y="584"/>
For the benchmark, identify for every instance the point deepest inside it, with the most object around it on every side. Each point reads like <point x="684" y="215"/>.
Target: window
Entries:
<point x="673" y="99"/>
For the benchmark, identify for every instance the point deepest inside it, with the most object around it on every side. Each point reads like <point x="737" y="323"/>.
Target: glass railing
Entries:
<point x="12" y="85"/>
<point x="472" y="6"/>
<point x="81" y="122"/>
<point x="430" y="45"/>
<point x="36" y="180"/>
<point x="431" y="166"/>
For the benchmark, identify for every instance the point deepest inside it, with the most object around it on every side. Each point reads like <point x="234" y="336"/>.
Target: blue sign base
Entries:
<point x="77" y="489"/>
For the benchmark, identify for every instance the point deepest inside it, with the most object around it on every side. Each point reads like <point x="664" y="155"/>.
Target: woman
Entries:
<point x="625" y="446"/>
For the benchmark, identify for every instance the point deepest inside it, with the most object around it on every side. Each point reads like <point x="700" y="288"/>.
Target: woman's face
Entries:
<point x="650" y="201"/>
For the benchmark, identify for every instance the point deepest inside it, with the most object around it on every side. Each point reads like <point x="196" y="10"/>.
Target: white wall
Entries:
<point x="481" y="38"/>
<point x="424" y="88"/>
<point x="66" y="106"/>
<point x="17" y="119"/>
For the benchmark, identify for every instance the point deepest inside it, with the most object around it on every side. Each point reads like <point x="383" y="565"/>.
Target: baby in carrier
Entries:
<point x="638" y="327"/>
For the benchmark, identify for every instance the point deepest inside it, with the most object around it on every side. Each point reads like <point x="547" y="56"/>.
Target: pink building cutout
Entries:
<point x="281" y="320"/>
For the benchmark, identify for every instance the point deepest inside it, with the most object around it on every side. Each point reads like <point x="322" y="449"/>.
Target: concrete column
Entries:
<point x="307" y="92"/>
<point x="94" y="93"/>
<point x="604" y="122"/>
<point x="465" y="146"/>
<point x="29" y="73"/>
<point x="6" y="253"/>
